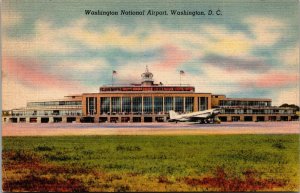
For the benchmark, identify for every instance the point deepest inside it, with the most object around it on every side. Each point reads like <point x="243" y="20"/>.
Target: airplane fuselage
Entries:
<point x="207" y="116"/>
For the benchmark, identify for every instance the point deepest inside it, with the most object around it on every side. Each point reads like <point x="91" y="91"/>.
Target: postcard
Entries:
<point x="142" y="96"/>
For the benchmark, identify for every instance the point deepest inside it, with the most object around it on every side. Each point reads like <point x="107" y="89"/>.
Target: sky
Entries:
<point x="51" y="48"/>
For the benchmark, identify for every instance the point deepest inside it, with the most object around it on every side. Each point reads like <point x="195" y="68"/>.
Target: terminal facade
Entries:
<point x="146" y="102"/>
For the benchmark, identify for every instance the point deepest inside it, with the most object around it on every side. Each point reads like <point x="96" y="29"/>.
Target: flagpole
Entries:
<point x="180" y="77"/>
<point x="112" y="78"/>
<point x="181" y="72"/>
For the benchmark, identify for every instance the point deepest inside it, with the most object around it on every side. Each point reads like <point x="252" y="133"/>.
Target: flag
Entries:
<point x="181" y="72"/>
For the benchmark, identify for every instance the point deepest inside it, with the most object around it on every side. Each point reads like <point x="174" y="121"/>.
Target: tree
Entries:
<point x="291" y="106"/>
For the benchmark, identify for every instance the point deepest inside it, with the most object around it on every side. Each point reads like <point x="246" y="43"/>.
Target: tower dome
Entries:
<point x="147" y="77"/>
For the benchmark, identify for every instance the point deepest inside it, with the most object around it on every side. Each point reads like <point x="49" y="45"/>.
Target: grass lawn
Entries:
<point x="151" y="163"/>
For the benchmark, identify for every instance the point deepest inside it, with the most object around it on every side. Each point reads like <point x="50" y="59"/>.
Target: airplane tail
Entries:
<point x="173" y="114"/>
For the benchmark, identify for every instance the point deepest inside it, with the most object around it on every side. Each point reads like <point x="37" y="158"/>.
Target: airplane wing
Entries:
<point x="205" y="115"/>
<point x="195" y="115"/>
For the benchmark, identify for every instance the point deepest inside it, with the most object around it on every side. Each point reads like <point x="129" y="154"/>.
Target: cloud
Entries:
<point x="31" y="74"/>
<point x="267" y="31"/>
<point x="213" y="79"/>
<point x="290" y="57"/>
<point x="274" y="79"/>
<point x="110" y="36"/>
<point x="46" y="39"/>
<point x="289" y="95"/>
<point x="10" y="18"/>
<point x="83" y="66"/>
<point x="172" y="57"/>
<point x="224" y="57"/>
<point x="224" y="42"/>
<point x="236" y="64"/>
<point x="26" y="80"/>
<point x="214" y="39"/>
<point x="219" y="81"/>
<point x="16" y="95"/>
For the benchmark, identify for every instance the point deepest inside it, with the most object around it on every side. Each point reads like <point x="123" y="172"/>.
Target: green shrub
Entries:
<point x="128" y="148"/>
<point x="43" y="148"/>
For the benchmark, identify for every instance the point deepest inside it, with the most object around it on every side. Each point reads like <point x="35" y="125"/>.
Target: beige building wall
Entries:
<point x="99" y="95"/>
<point x="215" y="99"/>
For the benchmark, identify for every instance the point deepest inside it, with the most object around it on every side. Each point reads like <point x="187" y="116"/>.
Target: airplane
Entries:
<point x="207" y="116"/>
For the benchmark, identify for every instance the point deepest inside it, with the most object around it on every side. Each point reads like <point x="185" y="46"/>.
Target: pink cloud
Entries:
<point x="273" y="80"/>
<point x="30" y="73"/>
<point x="173" y="57"/>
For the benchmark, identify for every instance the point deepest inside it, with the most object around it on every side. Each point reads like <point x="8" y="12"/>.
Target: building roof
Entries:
<point x="247" y="99"/>
<point x="147" y="88"/>
<point x="146" y="92"/>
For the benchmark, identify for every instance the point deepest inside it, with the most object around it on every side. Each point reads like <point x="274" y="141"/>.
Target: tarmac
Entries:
<point x="167" y="128"/>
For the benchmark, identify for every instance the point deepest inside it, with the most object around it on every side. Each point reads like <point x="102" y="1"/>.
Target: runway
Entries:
<point x="57" y="129"/>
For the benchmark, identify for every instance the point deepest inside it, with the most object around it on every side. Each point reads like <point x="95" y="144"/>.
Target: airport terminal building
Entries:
<point x="146" y="102"/>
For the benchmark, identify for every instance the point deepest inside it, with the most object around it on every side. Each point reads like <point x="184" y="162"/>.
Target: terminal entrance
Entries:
<point x="159" y="119"/>
<point x="71" y="119"/>
<point x="222" y="118"/>
<point x="248" y="118"/>
<point x="284" y="118"/>
<point x="57" y="119"/>
<point x="125" y="119"/>
<point x="235" y="118"/>
<point x="114" y="119"/>
<point x="44" y="120"/>
<point x="136" y="119"/>
<point x="272" y="118"/>
<point x="102" y="119"/>
<point x="147" y="119"/>
<point x="260" y="118"/>
<point x="22" y="120"/>
<point x="33" y="120"/>
<point x="87" y="120"/>
<point x="14" y="120"/>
